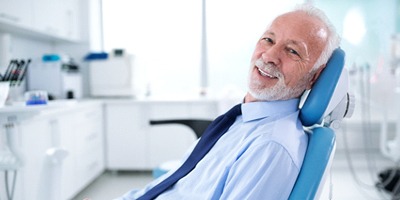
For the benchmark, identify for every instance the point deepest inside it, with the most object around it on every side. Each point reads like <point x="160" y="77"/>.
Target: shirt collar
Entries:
<point x="262" y="109"/>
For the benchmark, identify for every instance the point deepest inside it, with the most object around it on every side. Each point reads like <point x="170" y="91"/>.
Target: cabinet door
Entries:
<point x="41" y="142"/>
<point x="35" y="179"/>
<point x="66" y="129"/>
<point x="81" y="134"/>
<point x="69" y="19"/>
<point x="203" y="110"/>
<point x="170" y="141"/>
<point x="89" y="141"/>
<point x="126" y="135"/>
<point x="57" y="17"/>
<point x="132" y="143"/>
<point x="16" y="12"/>
<point x="47" y="16"/>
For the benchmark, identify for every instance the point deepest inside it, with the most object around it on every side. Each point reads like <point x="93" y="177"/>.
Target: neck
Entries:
<point x="249" y="98"/>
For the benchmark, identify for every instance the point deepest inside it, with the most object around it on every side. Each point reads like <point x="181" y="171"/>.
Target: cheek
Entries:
<point x="294" y="73"/>
<point x="303" y="67"/>
<point x="257" y="53"/>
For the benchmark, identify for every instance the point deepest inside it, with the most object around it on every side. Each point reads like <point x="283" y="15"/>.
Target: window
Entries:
<point x="165" y="38"/>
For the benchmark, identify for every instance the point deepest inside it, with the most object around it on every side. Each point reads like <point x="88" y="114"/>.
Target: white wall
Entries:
<point x="370" y="62"/>
<point x="166" y="40"/>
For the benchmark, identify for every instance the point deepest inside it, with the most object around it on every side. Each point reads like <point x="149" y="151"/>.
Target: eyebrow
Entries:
<point x="303" y="49"/>
<point x="270" y="33"/>
<point x="298" y="44"/>
<point x="295" y="42"/>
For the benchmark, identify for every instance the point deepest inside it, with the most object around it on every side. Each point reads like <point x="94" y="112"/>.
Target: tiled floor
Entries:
<point x="354" y="178"/>
<point x="344" y="185"/>
<point x="114" y="184"/>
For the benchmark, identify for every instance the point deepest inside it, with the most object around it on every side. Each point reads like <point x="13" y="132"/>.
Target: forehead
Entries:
<point x="300" y="27"/>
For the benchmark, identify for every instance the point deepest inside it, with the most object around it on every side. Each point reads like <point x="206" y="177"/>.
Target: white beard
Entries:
<point x="277" y="92"/>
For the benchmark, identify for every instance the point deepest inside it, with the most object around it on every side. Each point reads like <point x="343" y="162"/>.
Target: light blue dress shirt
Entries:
<point x="259" y="157"/>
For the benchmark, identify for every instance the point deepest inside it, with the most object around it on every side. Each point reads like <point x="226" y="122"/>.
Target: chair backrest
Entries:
<point x="327" y="96"/>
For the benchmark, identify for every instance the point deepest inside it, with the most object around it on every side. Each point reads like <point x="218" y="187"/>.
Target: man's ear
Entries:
<point x="315" y="76"/>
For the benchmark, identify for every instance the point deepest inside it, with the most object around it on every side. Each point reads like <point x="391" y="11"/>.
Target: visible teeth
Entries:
<point x="264" y="74"/>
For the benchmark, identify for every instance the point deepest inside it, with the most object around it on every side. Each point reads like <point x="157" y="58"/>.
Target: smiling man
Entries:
<point x="284" y="56"/>
<point x="261" y="153"/>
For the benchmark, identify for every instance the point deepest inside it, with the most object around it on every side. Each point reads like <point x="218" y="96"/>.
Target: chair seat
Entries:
<point x="165" y="167"/>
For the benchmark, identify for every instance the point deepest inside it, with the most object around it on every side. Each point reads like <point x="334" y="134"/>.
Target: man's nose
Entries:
<point x="272" y="55"/>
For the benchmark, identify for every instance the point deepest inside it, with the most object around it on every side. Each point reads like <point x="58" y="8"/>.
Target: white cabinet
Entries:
<point x="78" y="131"/>
<point x="45" y="19"/>
<point x="126" y="136"/>
<point x="34" y="138"/>
<point x="47" y="16"/>
<point x="16" y="12"/>
<point x="72" y="20"/>
<point x="133" y="144"/>
<point x="57" y="17"/>
<point x="81" y="134"/>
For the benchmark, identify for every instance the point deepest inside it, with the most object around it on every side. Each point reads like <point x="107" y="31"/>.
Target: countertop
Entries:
<point x="18" y="111"/>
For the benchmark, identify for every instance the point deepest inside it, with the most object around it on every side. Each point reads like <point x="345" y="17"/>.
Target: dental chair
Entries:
<point x="321" y="111"/>
<point x="326" y="104"/>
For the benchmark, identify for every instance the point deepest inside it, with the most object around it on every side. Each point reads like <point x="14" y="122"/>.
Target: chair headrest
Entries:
<point x="328" y="92"/>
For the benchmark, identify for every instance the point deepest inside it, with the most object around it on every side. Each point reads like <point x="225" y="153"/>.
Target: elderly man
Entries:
<point x="260" y="155"/>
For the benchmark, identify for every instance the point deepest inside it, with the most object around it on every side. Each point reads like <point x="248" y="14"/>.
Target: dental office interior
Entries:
<point x="92" y="75"/>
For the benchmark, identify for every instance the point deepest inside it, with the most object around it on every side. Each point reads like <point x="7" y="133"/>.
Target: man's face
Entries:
<point x="283" y="57"/>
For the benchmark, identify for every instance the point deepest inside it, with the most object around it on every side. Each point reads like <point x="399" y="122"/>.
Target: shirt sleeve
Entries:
<point x="264" y="171"/>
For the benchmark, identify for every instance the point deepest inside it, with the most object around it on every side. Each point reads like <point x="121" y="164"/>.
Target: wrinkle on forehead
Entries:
<point x="306" y="29"/>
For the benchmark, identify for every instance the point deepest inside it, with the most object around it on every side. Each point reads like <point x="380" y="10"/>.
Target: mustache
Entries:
<point x="268" y="67"/>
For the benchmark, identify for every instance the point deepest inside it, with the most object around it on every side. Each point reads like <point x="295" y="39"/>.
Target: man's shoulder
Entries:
<point x="288" y="133"/>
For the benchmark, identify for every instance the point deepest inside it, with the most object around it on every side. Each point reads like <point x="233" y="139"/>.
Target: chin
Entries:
<point x="275" y="93"/>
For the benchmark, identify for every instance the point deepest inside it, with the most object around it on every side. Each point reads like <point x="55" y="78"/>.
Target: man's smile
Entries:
<point x="264" y="73"/>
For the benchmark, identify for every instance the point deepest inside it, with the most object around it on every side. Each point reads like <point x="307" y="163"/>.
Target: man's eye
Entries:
<point x="294" y="52"/>
<point x="269" y="40"/>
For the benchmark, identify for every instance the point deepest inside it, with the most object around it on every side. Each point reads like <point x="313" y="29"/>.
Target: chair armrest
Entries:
<point x="197" y="125"/>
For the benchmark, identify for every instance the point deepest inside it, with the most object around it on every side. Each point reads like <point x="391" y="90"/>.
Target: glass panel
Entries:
<point x="164" y="37"/>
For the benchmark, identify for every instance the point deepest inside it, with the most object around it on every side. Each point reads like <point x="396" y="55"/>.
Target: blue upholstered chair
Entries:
<point x="322" y="110"/>
<point x="324" y="107"/>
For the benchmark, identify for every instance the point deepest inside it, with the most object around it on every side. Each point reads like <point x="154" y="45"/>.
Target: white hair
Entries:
<point x="333" y="37"/>
<point x="280" y="91"/>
